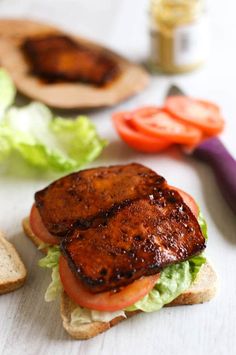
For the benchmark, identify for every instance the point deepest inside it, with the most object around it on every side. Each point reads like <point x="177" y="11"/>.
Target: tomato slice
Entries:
<point x="39" y="229"/>
<point x="106" y="301"/>
<point x="135" y="139"/>
<point x="202" y="114"/>
<point x="156" y="122"/>
<point x="189" y="200"/>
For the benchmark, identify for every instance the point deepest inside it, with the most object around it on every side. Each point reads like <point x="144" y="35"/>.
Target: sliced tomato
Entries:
<point x="106" y="301"/>
<point x="146" y="111"/>
<point x="189" y="200"/>
<point x="202" y="114"/>
<point x="156" y="122"/>
<point x="135" y="139"/>
<point x="39" y="229"/>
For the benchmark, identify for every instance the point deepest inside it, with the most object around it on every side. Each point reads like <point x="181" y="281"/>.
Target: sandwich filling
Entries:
<point x="128" y="240"/>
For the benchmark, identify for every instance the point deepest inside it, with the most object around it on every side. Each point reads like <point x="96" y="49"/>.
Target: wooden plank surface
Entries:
<point x="30" y="326"/>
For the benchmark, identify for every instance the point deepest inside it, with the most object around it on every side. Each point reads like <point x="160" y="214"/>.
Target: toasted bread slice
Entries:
<point x="12" y="269"/>
<point x="202" y="290"/>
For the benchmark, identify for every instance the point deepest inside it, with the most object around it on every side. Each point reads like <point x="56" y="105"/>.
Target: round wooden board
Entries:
<point x="133" y="78"/>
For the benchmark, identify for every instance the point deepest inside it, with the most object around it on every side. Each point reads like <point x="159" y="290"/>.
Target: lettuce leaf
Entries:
<point x="7" y="91"/>
<point x="55" y="287"/>
<point x="46" y="142"/>
<point x="51" y="261"/>
<point x="52" y="258"/>
<point x="203" y="224"/>
<point x="174" y="280"/>
<point x="195" y="265"/>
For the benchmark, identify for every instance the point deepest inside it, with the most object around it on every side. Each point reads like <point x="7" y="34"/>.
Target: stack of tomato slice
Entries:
<point x="182" y="120"/>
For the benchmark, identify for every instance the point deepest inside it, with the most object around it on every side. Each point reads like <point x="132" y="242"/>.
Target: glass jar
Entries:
<point x="178" y="35"/>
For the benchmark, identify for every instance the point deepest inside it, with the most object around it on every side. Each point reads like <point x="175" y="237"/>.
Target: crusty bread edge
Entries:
<point x="11" y="285"/>
<point x="202" y="290"/>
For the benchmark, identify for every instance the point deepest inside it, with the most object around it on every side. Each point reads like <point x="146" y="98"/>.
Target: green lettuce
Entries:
<point x="42" y="140"/>
<point x="51" y="261"/>
<point x="174" y="280"/>
<point x="52" y="258"/>
<point x="203" y="224"/>
<point x="7" y="91"/>
<point x="55" y="287"/>
<point x="46" y="142"/>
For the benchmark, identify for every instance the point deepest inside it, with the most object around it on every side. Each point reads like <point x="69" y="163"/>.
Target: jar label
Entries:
<point x="190" y="43"/>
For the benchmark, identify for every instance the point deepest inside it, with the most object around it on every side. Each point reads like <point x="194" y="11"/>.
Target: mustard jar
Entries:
<point x="178" y="34"/>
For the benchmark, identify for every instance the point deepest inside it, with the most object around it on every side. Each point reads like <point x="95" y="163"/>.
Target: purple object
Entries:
<point x="213" y="152"/>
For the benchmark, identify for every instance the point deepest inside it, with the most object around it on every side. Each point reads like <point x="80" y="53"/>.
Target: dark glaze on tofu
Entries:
<point x="58" y="57"/>
<point x="140" y="239"/>
<point x="79" y="198"/>
<point x="118" y="224"/>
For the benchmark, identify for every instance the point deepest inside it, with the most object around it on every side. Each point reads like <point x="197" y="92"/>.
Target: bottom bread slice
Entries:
<point x="202" y="290"/>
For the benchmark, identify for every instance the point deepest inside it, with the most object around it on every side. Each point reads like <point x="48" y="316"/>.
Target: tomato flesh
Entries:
<point x="156" y="122"/>
<point x="135" y="139"/>
<point x="39" y="229"/>
<point x="106" y="301"/>
<point x="189" y="200"/>
<point x="202" y="114"/>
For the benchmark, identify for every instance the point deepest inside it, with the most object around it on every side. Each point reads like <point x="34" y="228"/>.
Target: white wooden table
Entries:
<point x="28" y="325"/>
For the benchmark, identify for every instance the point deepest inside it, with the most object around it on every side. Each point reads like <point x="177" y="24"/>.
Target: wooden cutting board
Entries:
<point x="133" y="78"/>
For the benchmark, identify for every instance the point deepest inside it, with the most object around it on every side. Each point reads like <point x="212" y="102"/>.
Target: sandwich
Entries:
<point x="119" y="241"/>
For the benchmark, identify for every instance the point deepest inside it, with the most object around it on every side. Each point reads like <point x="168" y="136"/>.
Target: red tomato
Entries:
<point x="157" y="123"/>
<point x="202" y="114"/>
<point x="39" y="229"/>
<point x="146" y="111"/>
<point x="105" y="301"/>
<point x="189" y="200"/>
<point x="135" y="139"/>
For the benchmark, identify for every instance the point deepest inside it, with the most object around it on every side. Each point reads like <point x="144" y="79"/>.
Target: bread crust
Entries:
<point x="202" y="290"/>
<point x="10" y="283"/>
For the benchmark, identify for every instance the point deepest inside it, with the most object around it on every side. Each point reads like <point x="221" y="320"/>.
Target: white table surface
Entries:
<point x="28" y="325"/>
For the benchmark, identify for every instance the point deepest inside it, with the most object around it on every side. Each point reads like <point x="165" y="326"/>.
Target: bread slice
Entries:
<point x="202" y="290"/>
<point x="12" y="269"/>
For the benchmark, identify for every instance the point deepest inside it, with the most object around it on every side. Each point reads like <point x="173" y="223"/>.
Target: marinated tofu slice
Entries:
<point x="140" y="239"/>
<point x="83" y="198"/>
<point x="58" y="57"/>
